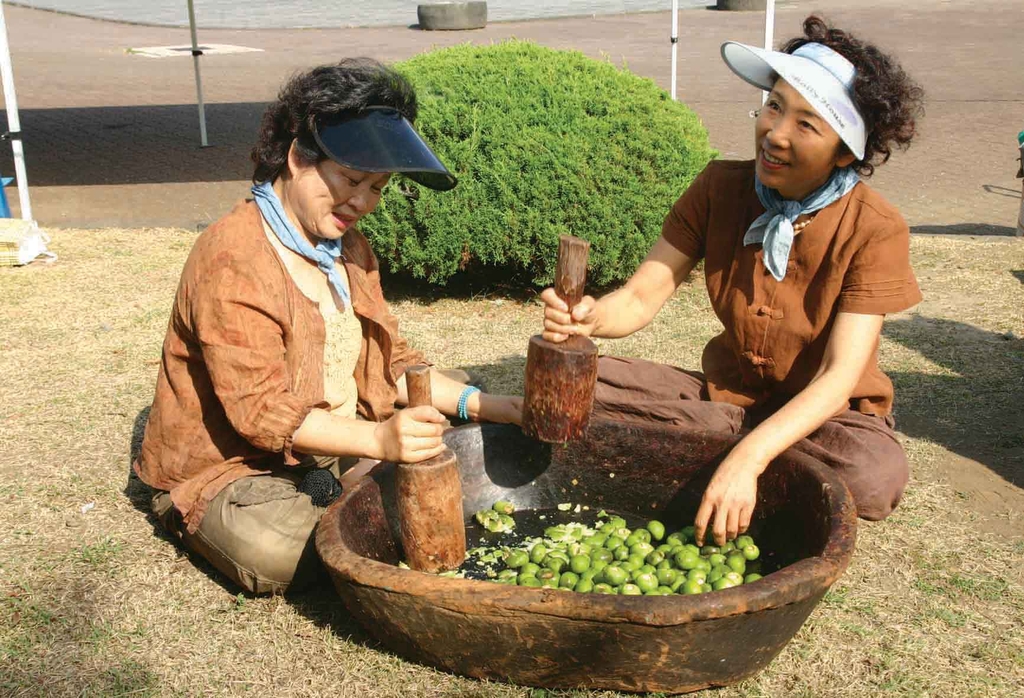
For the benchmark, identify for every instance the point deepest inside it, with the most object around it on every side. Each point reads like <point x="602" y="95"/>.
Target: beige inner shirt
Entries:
<point x="343" y="333"/>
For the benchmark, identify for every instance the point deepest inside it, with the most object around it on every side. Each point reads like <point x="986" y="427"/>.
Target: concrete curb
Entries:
<point x="741" y="5"/>
<point x="450" y="16"/>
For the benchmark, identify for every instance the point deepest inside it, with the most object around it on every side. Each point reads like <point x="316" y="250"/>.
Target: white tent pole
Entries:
<point x="13" y="122"/>
<point x="769" y="35"/>
<point x="675" y="42"/>
<point x="196" y="53"/>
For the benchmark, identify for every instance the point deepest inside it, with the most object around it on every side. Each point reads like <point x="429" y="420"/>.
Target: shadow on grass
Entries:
<point x="322" y="606"/>
<point x="505" y="376"/>
<point x="138" y="492"/>
<point x="979" y="229"/>
<point x="976" y="412"/>
<point x="475" y="283"/>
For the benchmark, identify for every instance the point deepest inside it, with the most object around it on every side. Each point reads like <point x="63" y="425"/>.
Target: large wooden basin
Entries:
<point x="549" y="638"/>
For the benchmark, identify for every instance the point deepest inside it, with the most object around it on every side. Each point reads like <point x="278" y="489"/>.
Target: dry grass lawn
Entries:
<point x="96" y="604"/>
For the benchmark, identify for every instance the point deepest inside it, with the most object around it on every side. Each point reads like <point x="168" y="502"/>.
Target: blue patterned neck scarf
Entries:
<point x="773" y="229"/>
<point x="324" y="254"/>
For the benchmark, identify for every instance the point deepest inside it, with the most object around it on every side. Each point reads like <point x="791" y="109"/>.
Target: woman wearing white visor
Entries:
<point x="802" y="262"/>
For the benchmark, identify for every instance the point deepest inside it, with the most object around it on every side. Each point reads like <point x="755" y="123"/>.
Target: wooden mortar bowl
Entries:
<point x="549" y="638"/>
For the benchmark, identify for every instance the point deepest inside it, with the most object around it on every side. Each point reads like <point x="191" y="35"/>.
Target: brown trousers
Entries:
<point x="862" y="448"/>
<point x="259" y="530"/>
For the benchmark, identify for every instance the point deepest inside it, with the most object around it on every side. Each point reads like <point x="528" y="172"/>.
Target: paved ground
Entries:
<point x="112" y="138"/>
<point x="311" y="13"/>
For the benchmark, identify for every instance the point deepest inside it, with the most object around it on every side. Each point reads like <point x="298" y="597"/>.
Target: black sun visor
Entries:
<point x="380" y="139"/>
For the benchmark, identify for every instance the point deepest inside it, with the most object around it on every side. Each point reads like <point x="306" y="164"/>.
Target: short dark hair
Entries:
<point x="349" y="85"/>
<point x="888" y="99"/>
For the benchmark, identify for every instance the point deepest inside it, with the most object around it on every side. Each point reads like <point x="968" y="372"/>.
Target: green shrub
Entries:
<point x="543" y="142"/>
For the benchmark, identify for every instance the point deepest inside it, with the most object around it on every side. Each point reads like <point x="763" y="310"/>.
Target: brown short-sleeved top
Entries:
<point x="853" y="257"/>
<point x="243" y="362"/>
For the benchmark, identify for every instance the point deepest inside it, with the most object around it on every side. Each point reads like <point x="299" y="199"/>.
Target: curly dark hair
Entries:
<point x="349" y="85"/>
<point x="888" y="99"/>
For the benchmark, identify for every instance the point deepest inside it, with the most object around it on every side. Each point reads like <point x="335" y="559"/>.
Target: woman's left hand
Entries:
<point x="729" y="499"/>
<point x="500" y="409"/>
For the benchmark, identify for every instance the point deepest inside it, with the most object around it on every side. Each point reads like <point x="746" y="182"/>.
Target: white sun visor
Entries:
<point x="822" y="76"/>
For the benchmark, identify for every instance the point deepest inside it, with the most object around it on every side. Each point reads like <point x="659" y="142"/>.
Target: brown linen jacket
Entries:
<point x="242" y="362"/>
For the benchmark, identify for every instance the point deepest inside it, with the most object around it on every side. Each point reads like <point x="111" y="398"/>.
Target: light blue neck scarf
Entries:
<point x="773" y="229"/>
<point x="324" y="254"/>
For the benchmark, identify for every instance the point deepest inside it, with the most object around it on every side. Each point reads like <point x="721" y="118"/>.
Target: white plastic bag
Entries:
<point x="22" y="242"/>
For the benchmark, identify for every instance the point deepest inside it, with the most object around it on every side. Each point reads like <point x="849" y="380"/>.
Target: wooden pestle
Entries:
<point x="560" y="377"/>
<point x="430" y="498"/>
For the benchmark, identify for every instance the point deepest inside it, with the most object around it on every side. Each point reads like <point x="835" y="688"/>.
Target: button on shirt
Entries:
<point x="853" y="257"/>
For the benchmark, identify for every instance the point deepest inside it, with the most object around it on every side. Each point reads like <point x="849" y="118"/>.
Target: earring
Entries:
<point x="754" y="113"/>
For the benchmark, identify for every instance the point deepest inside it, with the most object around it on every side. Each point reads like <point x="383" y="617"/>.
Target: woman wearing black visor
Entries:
<point x="281" y="357"/>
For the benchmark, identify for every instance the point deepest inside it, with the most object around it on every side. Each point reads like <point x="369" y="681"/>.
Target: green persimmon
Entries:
<point x="656" y="529"/>
<point x="579" y="564"/>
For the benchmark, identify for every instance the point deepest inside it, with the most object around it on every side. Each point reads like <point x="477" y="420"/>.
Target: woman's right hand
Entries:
<point x="560" y="324"/>
<point x="410" y="435"/>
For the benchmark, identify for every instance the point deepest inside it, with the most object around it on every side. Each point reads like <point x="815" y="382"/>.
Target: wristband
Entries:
<point x="462" y="412"/>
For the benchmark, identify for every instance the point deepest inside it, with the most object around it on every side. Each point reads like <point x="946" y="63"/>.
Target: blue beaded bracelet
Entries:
<point x="462" y="412"/>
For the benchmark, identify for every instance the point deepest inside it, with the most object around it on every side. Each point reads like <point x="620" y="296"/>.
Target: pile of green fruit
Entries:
<point x="610" y="558"/>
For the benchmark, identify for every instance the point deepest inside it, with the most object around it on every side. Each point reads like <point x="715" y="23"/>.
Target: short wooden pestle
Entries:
<point x="561" y="376"/>
<point x="430" y="498"/>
